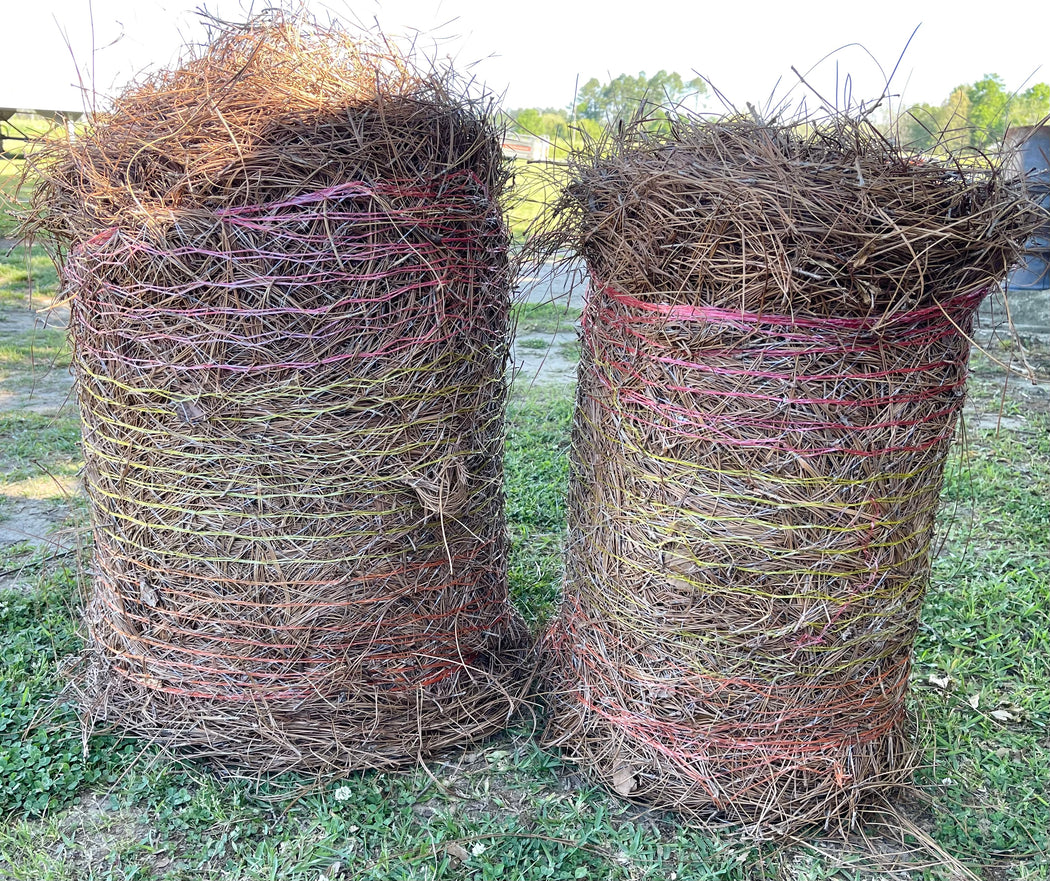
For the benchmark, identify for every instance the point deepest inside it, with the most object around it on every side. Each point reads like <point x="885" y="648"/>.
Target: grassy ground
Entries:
<point x="27" y="277"/>
<point x="544" y="318"/>
<point x="505" y="809"/>
<point x="10" y="175"/>
<point x="11" y="168"/>
<point x="982" y="656"/>
<point x="534" y="185"/>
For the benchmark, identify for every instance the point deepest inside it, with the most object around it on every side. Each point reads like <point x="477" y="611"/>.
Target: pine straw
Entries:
<point x="774" y="358"/>
<point x="289" y="276"/>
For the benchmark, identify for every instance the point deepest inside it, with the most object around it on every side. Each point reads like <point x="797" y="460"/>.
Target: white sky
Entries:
<point x="535" y="52"/>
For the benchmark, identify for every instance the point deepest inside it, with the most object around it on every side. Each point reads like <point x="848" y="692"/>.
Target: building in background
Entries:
<point x="1030" y="145"/>
<point x="527" y="147"/>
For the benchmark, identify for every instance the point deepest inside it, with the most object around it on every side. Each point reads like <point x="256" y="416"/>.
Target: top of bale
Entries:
<point x="812" y="218"/>
<point x="266" y="111"/>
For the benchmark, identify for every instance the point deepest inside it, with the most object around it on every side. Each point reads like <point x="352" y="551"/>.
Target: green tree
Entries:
<point x="527" y="120"/>
<point x="554" y="126"/>
<point x="930" y="128"/>
<point x="989" y="110"/>
<point x="620" y="98"/>
<point x="975" y="116"/>
<point x="1032" y="106"/>
<point x="546" y="123"/>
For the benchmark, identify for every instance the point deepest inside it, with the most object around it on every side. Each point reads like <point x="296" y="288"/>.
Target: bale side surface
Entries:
<point x="749" y="543"/>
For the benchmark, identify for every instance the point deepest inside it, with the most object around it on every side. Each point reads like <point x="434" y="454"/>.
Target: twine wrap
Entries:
<point x="290" y="356"/>
<point x="751" y="509"/>
<point x="773" y="362"/>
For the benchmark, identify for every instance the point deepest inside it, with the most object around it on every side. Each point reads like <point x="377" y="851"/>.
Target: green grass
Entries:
<point x="12" y="189"/>
<point x="537" y="475"/>
<point x="33" y="440"/>
<point x="33" y="350"/>
<point x="534" y="343"/>
<point x="508" y="809"/>
<point x="544" y="318"/>
<point x="986" y="627"/>
<point x="532" y="188"/>
<point x="570" y="351"/>
<point x="10" y="196"/>
<point x="400" y="827"/>
<point x="42" y="764"/>
<point x="30" y="351"/>
<point x="28" y="278"/>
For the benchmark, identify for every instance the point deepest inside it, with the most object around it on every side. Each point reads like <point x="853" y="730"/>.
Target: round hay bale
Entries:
<point x="774" y="358"/>
<point x="288" y="270"/>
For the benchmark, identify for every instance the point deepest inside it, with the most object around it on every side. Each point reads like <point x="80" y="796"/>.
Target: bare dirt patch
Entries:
<point x="50" y="392"/>
<point x="545" y="359"/>
<point x="12" y="320"/>
<point x="35" y="522"/>
<point x="92" y="832"/>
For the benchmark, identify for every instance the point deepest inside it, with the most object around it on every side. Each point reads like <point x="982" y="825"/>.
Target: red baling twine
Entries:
<point x="744" y="717"/>
<point x="803" y="737"/>
<point x="843" y="338"/>
<point x="398" y="652"/>
<point x="447" y="260"/>
<point x="402" y="611"/>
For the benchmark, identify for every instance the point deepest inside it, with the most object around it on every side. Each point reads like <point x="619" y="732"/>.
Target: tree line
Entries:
<point x="974" y="116"/>
<point x="598" y="105"/>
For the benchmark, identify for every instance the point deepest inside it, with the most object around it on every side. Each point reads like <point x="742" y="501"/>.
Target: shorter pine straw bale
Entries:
<point x="289" y="278"/>
<point x="774" y="359"/>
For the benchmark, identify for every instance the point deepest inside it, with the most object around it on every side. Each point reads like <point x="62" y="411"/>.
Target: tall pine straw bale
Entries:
<point x="288" y="271"/>
<point x="774" y="359"/>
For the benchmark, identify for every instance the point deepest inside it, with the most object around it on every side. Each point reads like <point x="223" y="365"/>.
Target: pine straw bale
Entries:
<point x="288" y="269"/>
<point x="774" y="358"/>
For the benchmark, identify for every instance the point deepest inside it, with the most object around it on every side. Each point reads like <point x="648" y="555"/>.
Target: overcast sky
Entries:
<point x="536" y="52"/>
